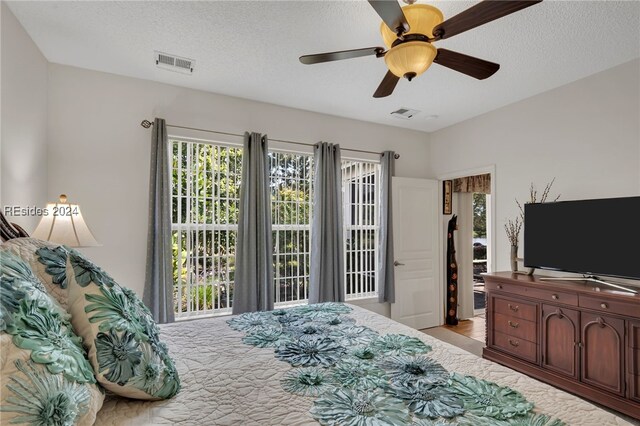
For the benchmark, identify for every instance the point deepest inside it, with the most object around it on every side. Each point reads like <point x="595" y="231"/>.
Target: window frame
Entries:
<point x="187" y="227"/>
<point x="278" y="227"/>
<point x="362" y="228"/>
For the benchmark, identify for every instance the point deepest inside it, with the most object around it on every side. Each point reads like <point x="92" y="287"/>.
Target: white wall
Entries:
<point x="23" y="144"/>
<point x="99" y="153"/>
<point x="585" y="134"/>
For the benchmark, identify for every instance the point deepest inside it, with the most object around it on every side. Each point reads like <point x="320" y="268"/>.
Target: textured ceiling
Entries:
<point x="250" y="49"/>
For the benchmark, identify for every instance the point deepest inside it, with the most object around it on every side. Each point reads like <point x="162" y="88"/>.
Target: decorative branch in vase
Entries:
<point x="533" y="196"/>
<point x="514" y="227"/>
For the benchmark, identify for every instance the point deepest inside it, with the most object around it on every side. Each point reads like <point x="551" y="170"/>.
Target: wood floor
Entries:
<point x="456" y="339"/>
<point x="473" y="328"/>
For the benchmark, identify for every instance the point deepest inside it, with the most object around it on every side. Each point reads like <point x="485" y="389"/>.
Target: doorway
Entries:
<point x="473" y="202"/>
<point x="479" y="242"/>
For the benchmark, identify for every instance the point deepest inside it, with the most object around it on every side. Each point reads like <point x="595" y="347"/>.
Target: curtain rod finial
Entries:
<point x="396" y="156"/>
<point x="146" y="124"/>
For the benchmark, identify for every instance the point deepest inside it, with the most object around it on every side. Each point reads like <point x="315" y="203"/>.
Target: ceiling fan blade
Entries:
<point x="343" y="54"/>
<point x="388" y="84"/>
<point x="392" y="15"/>
<point x="468" y="65"/>
<point x="480" y="14"/>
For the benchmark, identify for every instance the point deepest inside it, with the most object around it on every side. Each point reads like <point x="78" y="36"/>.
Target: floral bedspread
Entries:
<point x="335" y="364"/>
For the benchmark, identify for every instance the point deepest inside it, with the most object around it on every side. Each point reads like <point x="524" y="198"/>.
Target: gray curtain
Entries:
<point x="386" y="280"/>
<point x="253" y="288"/>
<point x="158" y="289"/>
<point x="327" y="251"/>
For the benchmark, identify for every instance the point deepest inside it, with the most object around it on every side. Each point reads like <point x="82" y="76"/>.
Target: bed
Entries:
<point x="227" y="382"/>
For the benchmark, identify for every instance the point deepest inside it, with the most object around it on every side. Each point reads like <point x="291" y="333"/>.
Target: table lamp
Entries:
<point x="64" y="224"/>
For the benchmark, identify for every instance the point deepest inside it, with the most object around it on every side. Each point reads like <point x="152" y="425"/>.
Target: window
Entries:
<point x="361" y="227"/>
<point x="206" y="192"/>
<point x="205" y="201"/>
<point x="291" y="177"/>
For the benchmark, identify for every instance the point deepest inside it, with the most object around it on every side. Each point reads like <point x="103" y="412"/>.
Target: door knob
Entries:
<point x="396" y="263"/>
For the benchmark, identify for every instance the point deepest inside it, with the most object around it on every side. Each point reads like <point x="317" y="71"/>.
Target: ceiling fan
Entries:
<point x="409" y="33"/>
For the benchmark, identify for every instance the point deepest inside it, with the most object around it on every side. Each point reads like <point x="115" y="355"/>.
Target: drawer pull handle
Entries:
<point x="514" y="324"/>
<point x="604" y="305"/>
<point x="515" y="344"/>
<point x="499" y="286"/>
<point x="554" y="296"/>
<point x="514" y="308"/>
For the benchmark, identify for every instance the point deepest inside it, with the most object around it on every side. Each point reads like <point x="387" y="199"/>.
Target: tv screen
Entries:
<point x="595" y="237"/>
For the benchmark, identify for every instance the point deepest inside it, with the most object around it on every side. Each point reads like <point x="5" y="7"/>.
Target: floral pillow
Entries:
<point x="47" y="261"/>
<point x="120" y="334"/>
<point x="46" y="377"/>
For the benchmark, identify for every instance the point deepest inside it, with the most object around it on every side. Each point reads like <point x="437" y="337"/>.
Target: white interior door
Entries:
<point x="415" y="237"/>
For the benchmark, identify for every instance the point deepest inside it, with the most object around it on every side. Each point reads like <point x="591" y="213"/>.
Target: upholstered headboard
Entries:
<point x="9" y="231"/>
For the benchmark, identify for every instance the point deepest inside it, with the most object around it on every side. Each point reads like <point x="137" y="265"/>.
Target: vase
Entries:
<point x="514" y="258"/>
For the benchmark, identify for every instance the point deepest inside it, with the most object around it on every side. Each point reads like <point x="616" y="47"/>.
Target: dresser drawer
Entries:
<point x="518" y="347"/>
<point x="610" y="306"/>
<point x="553" y="296"/>
<point x="562" y="297"/>
<point x="515" y="308"/>
<point x="515" y="327"/>
<point x="491" y="285"/>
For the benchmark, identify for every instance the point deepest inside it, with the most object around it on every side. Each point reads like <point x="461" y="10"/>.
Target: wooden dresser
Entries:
<point x="577" y="336"/>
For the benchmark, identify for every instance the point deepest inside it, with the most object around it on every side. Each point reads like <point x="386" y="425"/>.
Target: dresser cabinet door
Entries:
<point x="603" y="348"/>
<point x="560" y="337"/>
<point x="633" y="360"/>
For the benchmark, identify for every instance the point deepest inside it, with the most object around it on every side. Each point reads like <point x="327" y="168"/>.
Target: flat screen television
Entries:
<point x="594" y="237"/>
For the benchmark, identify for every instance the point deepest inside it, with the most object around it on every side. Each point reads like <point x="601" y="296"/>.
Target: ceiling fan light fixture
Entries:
<point x="422" y="18"/>
<point x="408" y="34"/>
<point x="410" y="59"/>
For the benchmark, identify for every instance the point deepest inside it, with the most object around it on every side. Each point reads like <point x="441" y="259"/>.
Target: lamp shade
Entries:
<point x="64" y="224"/>
<point x="411" y="58"/>
<point x="422" y="18"/>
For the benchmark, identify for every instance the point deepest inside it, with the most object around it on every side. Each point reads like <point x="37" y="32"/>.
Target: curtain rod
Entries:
<point x="147" y="124"/>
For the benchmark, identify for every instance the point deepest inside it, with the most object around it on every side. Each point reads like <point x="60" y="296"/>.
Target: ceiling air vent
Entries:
<point x="404" y="113"/>
<point x="174" y="63"/>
